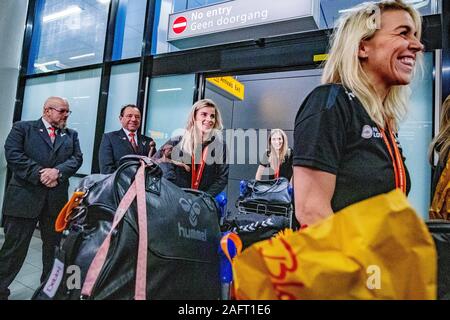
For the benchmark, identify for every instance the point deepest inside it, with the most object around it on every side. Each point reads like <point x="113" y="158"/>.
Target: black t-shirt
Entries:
<point x="334" y="133"/>
<point x="285" y="167"/>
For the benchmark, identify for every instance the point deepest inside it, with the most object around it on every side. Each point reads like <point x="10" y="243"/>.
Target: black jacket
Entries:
<point x="215" y="175"/>
<point x="28" y="149"/>
<point x="115" y="145"/>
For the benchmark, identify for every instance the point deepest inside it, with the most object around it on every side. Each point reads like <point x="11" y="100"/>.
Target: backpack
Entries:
<point x="182" y="240"/>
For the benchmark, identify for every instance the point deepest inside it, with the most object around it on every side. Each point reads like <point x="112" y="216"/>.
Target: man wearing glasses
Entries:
<point x="125" y="141"/>
<point x="42" y="155"/>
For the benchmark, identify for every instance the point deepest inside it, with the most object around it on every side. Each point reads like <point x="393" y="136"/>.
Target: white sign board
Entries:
<point x="245" y="19"/>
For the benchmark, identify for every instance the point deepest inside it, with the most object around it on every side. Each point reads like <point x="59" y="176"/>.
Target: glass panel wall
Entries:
<point x="67" y="33"/>
<point x="170" y="100"/>
<point x="122" y="90"/>
<point x="129" y="29"/>
<point x="415" y="136"/>
<point x="81" y="90"/>
<point x="181" y="5"/>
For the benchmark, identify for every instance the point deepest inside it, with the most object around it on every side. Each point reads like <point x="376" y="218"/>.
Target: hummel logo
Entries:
<point x="192" y="208"/>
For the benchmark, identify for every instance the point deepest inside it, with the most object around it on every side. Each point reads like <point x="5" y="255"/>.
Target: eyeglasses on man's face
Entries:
<point x="61" y="111"/>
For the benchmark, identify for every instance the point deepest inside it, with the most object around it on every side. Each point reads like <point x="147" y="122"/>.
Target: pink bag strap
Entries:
<point x="137" y="188"/>
<point x="141" y="267"/>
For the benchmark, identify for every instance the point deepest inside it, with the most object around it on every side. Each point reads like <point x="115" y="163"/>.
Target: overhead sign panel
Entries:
<point x="239" y="20"/>
<point x="233" y="88"/>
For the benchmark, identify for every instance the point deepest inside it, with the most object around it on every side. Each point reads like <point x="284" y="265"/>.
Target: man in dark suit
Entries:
<point x="127" y="140"/>
<point x="42" y="155"/>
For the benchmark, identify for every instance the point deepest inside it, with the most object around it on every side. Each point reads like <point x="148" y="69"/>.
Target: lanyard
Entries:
<point x="197" y="175"/>
<point x="277" y="172"/>
<point x="397" y="162"/>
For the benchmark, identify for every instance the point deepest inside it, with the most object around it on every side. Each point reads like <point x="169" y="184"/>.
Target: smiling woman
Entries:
<point x="345" y="140"/>
<point x="198" y="157"/>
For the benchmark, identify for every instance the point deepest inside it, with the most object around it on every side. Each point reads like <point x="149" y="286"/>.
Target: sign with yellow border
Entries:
<point x="230" y="85"/>
<point x="320" y="57"/>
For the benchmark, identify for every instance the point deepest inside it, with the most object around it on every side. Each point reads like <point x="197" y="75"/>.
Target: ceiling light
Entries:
<point x="37" y="65"/>
<point x="169" y="89"/>
<point x="415" y="3"/>
<point x="61" y="14"/>
<point x="104" y="1"/>
<point x="92" y="54"/>
<point x="43" y="66"/>
<point x="418" y="3"/>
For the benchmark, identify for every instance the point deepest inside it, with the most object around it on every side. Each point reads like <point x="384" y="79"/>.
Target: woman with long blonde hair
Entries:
<point x="198" y="157"/>
<point x="440" y="206"/>
<point x="278" y="158"/>
<point x="345" y="139"/>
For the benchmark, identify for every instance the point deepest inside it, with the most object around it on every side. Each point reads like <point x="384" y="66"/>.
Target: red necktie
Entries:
<point x="52" y="133"/>
<point x="133" y="142"/>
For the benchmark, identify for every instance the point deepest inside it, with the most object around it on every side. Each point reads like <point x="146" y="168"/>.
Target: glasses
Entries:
<point x="61" y="111"/>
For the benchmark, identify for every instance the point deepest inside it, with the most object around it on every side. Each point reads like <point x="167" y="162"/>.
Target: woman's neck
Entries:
<point x="381" y="88"/>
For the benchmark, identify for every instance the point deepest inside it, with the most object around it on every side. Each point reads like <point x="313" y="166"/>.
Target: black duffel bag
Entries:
<point x="440" y="230"/>
<point x="274" y="192"/>
<point x="183" y="236"/>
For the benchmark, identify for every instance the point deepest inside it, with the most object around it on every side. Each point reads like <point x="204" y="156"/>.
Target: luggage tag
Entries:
<point x="56" y="275"/>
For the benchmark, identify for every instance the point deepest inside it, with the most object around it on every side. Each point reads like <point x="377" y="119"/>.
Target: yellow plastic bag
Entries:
<point x="375" y="249"/>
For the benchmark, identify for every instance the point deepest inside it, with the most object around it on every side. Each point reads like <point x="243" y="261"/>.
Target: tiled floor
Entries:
<point x="27" y="280"/>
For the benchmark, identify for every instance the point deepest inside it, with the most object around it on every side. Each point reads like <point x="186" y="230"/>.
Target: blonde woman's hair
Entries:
<point x="441" y="143"/>
<point x="191" y="137"/>
<point x="344" y="66"/>
<point x="273" y="154"/>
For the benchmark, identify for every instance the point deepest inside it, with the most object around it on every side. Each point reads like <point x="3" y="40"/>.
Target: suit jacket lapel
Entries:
<point x="142" y="145"/>
<point x="60" y="138"/>
<point x="124" y="140"/>
<point x="40" y="127"/>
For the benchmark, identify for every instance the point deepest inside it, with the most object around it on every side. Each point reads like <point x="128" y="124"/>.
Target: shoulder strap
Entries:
<point x="137" y="189"/>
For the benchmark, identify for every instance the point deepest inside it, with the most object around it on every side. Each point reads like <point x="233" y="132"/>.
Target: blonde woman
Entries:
<point x="345" y="138"/>
<point x="278" y="158"/>
<point x="440" y="208"/>
<point x="198" y="156"/>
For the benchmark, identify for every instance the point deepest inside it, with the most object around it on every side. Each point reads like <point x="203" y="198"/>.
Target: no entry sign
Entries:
<point x="179" y="25"/>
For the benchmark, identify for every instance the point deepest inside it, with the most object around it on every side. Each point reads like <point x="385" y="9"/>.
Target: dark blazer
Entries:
<point x="115" y="145"/>
<point x="215" y="175"/>
<point x="28" y="149"/>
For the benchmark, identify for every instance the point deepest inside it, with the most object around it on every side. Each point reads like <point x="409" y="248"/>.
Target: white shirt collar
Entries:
<point x="127" y="134"/>
<point x="46" y="124"/>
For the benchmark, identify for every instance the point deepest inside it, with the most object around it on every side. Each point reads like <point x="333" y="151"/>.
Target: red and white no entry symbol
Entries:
<point x="179" y="25"/>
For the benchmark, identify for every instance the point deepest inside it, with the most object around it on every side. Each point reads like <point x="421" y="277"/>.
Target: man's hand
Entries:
<point x="49" y="177"/>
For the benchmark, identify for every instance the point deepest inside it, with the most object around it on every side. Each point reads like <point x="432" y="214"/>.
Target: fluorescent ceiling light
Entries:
<point x="82" y="56"/>
<point x="104" y="1"/>
<point x="418" y="3"/>
<point x="415" y="3"/>
<point x="61" y="14"/>
<point x="37" y="65"/>
<point x="170" y="89"/>
<point x="43" y="66"/>
<point x="81" y="97"/>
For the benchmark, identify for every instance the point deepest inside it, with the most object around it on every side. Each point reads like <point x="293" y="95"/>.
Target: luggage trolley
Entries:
<point x="245" y="204"/>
